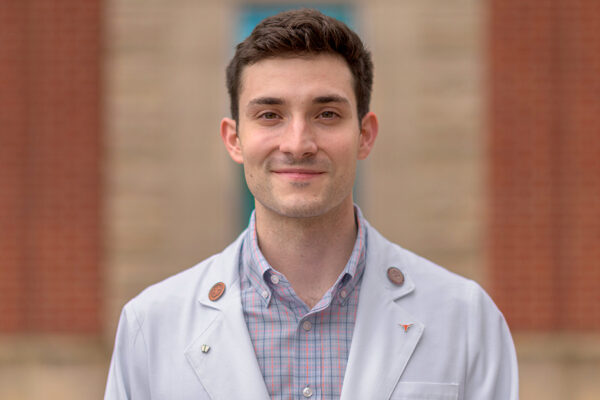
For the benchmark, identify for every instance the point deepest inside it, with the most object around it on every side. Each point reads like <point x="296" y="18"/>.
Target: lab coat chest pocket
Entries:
<point x="425" y="391"/>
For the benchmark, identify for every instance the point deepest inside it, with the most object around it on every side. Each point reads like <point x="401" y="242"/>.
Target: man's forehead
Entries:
<point x="306" y="59"/>
<point x="325" y="78"/>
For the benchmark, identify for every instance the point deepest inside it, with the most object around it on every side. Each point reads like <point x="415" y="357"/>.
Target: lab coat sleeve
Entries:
<point x="128" y="373"/>
<point x="492" y="372"/>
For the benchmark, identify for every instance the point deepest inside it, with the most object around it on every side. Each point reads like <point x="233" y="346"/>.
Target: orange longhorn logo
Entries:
<point x="406" y="326"/>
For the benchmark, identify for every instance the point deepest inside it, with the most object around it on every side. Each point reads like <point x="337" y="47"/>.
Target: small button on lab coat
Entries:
<point x="435" y="336"/>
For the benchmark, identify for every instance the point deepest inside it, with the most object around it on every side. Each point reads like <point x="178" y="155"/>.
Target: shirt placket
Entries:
<point x="306" y="365"/>
<point x="309" y="380"/>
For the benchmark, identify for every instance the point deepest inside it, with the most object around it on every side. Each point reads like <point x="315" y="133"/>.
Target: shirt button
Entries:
<point x="274" y="279"/>
<point x="343" y="294"/>
<point x="265" y="294"/>
<point x="307" y="392"/>
<point x="307" y="326"/>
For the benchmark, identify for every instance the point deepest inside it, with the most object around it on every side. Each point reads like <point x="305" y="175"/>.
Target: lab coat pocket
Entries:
<point x="425" y="391"/>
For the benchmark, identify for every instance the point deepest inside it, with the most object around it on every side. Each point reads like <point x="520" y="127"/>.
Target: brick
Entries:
<point x="51" y="183"/>
<point x="544" y="152"/>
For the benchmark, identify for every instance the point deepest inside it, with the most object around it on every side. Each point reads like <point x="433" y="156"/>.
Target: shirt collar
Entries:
<point x="257" y="271"/>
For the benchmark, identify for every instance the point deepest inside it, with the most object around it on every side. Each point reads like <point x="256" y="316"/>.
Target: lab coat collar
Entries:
<point x="385" y="335"/>
<point x="227" y="368"/>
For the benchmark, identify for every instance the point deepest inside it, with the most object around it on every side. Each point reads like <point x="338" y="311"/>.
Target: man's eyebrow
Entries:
<point x="269" y="101"/>
<point x="331" y="98"/>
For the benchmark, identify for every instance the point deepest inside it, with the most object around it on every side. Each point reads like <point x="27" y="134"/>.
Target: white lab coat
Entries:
<point x="458" y="346"/>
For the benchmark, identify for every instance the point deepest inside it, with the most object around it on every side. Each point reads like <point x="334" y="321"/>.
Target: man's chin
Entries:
<point x="298" y="209"/>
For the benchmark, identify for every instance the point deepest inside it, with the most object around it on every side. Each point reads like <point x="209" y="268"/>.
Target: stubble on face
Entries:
<point x="303" y="202"/>
<point x="300" y="198"/>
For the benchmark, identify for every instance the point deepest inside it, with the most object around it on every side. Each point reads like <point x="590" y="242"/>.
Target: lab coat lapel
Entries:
<point x="222" y="355"/>
<point x="385" y="335"/>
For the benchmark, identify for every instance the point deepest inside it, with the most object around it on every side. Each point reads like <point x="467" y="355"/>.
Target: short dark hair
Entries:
<point x="302" y="32"/>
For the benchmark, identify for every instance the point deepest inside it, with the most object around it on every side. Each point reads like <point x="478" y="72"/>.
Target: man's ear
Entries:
<point x="231" y="140"/>
<point x="369" y="127"/>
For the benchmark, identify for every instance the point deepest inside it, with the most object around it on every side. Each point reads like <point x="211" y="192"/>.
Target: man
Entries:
<point x="310" y="301"/>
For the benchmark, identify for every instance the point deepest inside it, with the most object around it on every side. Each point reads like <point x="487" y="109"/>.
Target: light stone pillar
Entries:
<point x="170" y="190"/>
<point x="424" y="181"/>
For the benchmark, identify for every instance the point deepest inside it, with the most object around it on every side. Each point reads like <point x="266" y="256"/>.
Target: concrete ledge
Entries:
<point x="582" y="347"/>
<point x="53" y="349"/>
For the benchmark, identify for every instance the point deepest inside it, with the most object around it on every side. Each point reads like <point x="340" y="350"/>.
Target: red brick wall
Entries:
<point x="545" y="168"/>
<point x="49" y="165"/>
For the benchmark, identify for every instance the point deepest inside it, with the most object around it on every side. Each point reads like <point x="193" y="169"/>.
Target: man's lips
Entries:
<point x="298" y="173"/>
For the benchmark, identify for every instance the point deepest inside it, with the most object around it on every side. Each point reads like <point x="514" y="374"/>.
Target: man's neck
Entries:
<point x="310" y="252"/>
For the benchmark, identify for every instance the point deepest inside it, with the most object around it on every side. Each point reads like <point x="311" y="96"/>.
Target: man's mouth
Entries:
<point x="298" y="173"/>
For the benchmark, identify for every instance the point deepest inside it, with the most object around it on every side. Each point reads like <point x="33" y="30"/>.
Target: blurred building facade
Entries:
<point x="113" y="176"/>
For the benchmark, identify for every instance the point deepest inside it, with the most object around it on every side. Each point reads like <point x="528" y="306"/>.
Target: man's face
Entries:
<point x="298" y="134"/>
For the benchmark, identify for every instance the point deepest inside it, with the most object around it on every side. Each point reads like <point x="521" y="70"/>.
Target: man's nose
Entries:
<point x="298" y="140"/>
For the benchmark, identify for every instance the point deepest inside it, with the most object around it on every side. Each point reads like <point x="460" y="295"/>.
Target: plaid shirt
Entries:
<point x="302" y="353"/>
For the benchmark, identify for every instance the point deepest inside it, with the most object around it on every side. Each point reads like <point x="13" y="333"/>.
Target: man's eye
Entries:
<point x="268" y="115"/>
<point x="328" y="114"/>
